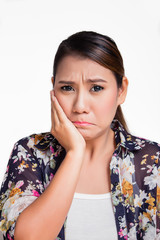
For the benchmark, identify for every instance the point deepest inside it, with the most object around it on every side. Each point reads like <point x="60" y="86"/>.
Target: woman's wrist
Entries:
<point x="77" y="153"/>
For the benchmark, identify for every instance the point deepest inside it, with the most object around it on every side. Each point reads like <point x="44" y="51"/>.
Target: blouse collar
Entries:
<point x="122" y="138"/>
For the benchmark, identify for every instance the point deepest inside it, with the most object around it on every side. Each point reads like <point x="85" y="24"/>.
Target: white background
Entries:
<point x="30" y="32"/>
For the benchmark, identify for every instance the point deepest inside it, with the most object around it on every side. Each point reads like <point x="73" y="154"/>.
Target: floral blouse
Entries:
<point x="135" y="182"/>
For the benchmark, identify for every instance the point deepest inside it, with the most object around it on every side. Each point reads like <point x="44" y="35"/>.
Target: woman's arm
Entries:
<point x="43" y="219"/>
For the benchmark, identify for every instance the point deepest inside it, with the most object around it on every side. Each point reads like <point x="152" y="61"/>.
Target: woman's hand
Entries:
<point x="63" y="129"/>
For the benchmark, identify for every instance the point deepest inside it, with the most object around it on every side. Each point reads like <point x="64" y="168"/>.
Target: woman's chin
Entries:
<point x="89" y="135"/>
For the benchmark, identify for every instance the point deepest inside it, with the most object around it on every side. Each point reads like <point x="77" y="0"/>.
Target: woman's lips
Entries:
<point x="82" y="123"/>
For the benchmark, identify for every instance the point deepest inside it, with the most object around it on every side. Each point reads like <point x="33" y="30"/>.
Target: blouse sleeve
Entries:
<point x="22" y="184"/>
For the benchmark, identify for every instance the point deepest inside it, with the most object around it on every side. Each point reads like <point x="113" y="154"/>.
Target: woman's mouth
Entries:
<point x="82" y="123"/>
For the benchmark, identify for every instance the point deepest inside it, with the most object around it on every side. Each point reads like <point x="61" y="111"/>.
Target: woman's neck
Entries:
<point x="101" y="147"/>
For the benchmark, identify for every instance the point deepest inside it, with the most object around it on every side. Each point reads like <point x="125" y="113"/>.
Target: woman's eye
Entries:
<point x="66" y="88"/>
<point x="97" y="88"/>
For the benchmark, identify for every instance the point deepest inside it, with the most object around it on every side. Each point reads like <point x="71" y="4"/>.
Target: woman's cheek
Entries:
<point x="65" y="104"/>
<point x="108" y="107"/>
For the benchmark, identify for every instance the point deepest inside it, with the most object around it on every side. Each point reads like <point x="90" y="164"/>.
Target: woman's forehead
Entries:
<point x="73" y="67"/>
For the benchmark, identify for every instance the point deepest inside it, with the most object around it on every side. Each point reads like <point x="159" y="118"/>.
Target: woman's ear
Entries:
<point x="52" y="80"/>
<point x="122" y="92"/>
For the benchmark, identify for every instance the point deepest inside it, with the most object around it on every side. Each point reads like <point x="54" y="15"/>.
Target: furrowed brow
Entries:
<point x="66" y="82"/>
<point x="96" y="80"/>
<point x="88" y="80"/>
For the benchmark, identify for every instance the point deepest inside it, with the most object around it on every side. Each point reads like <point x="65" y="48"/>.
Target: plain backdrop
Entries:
<point x="30" y="32"/>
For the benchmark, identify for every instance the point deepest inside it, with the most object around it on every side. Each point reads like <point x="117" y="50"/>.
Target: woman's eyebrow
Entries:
<point x="96" y="80"/>
<point x="66" y="82"/>
<point x="88" y="80"/>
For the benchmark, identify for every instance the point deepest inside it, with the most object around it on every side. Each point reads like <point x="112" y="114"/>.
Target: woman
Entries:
<point x="88" y="177"/>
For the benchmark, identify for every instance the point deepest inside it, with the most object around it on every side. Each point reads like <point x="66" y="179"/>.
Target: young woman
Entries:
<point x="88" y="178"/>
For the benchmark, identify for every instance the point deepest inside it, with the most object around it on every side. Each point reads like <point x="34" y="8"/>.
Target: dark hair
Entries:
<point x="99" y="48"/>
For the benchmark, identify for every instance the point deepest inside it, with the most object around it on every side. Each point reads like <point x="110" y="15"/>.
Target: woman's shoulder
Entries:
<point x="132" y="142"/>
<point x="146" y="145"/>
<point x="40" y="142"/>
<point x="34" y="139"/>
<point x="142" y="142"/>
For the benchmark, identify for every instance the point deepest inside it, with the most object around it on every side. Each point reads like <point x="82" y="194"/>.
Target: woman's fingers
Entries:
<point x="59" y="111"/>
<point x="54" y="117"/>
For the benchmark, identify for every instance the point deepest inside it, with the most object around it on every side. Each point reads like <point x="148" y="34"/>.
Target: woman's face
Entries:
<point x="87" y="92"/>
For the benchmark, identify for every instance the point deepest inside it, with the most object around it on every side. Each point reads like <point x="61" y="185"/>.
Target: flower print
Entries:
<point x="150" y="168"/>
<point x="146" y="218"/>
<point x="150" y="233"/>
<point x="122" y="223"/>
<point x="144" y="159"/>
<point x="9" y="184"/>
<point x="153" y="179"/>
<point x="22" y="166"/>
<point x="52" y="149"/>
<point x="3" y="226"/>
<point x="143" y="220"/>
<point x="40" y="154"/>
<point x="127" y="188"/>
<point x="58" y="150"/>
<point x="11" y="211"/>
<point x="136" y="214"/>
<point x="132" y="233"/>
<point x="122" y="137"/>
<point x="15" y="158"/>
<point x="35" y="193"/>
<point x="40" y="186"/>
<point x="116" y="195"/>
<point x="37" y="138"/>
<point x="22" y="153"/>
<point x="114" y="164"/>
<point x="15" y="191"/>
<point x="122" y="234"/>
<point x="129" y="138"/>
<point x="30" y="186"/>
<point x="150" y="201"/>
<point x="158" y="235"/>
<point x="126" y="169"/>
<point x="51" y="176"/>
<point x="7" y="168"/>
<point x="52" y="162"/>
<point x="140" y="142"/>
<point x="158" y="194"/>
<point x="31" y="142"/>
<point x="155" y="157"/>
<point x="19" y="184"/>
<point x="9" y="237"/>
<point x="48" y="179"/>
<point x="138" y="201"/>
<point x="158" y="201"/>
<point x="34" y="166"/>
<point x="115" y="198"/>
<point x="4" y="178"/>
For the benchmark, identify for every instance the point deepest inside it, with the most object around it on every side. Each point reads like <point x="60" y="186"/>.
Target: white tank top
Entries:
<point x="91" y="217"/>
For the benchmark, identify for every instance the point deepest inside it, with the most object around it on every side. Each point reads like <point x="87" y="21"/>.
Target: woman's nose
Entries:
<point x="81" y="104"/>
